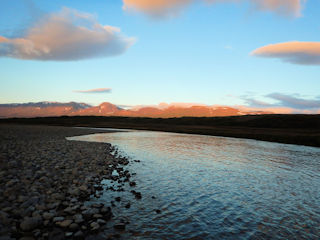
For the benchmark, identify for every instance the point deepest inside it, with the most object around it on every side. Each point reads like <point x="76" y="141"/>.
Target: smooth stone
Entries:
<point x="115" y="173"/>
<point x="97" y="216"/>
<point x="94" y="226"/>
<point x="73" y="226"/>
<point x="78" y="234"/>
<point x="78" y="218"/>
<point x="101" y="221"/>
<point x="4" y="218"/>
<point x="58" y="219"/>
<point x="74" y="192"/>
<point x="57" y="196"/>
<point x="132" y="184"/>
<point x="56" y="234"/>
<point x="120" y="226"/>
<point x="83" y="188"/>
<point x="65" y="223"/>
<point x="68" y="210"/>
<point x="91" y="211"/>
<point x="47" y="215"/>
<point x="29" y="224"/>
<point x="84" y="227"/>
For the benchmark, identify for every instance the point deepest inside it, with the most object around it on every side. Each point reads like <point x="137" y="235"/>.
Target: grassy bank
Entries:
<point x="294" y="129"/>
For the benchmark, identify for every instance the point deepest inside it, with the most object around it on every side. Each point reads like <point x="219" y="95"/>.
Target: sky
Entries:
<point x="249" y="53"/>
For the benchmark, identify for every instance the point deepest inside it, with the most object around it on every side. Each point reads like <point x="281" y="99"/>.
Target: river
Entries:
<point x="210" y="187"/>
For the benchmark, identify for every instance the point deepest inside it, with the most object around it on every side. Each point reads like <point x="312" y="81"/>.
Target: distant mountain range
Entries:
<point x="46" y="109"/>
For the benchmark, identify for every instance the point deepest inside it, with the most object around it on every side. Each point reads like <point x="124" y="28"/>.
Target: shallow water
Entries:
<point x="213" y="187"/>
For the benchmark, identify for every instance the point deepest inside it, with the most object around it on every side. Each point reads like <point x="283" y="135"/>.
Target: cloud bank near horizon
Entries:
<point x="303" y="53"/>
<point x="96" y="90"/>
<point x="284" y="103"/>
<point x="165" y="8"/>
<point x="66" y="36"/>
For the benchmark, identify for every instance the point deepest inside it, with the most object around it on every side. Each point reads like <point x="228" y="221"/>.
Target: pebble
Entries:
<point x="101" y="221"/>
<point x="78" y="218"/>
<point x="115" y="173"/>
<point x="58" y="219"/>
<point x="120" y="226"/>
<point x="78" y="234"/>
<point x="94" y="226"/>
<point x="64" y="223"/>
<point x="97" y="216"/>
<point x="30" y="223"/>
<point x="73" y="226"/>
<point x="48" y="215"/>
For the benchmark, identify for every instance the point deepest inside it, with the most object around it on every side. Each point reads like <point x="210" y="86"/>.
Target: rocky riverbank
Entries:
<point x="46" y="182"/>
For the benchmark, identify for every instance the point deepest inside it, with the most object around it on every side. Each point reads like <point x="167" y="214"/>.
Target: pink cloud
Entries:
<point x="276" y="110"/>
<point x="65" y="36"/>
<point x="242" y="108"/>
<point x="279" y="110"/>
<point x="96" y="90"/>
<point x="305" y="53"/>
<point x="163" y="8"/>
<point x="165" y="105"/>
<point x="285" y="7"/>
<point x="156" y="8"/>
<point x="283" y="103"/>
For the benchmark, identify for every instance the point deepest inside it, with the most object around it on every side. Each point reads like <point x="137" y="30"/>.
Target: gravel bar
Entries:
<point x="45" y="181"/>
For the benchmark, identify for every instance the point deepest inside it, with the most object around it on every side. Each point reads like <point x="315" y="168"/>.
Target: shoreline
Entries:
<point x="47" y="183"/>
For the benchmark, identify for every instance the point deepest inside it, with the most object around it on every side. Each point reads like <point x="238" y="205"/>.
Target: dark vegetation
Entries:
<point x="295" y="129"/>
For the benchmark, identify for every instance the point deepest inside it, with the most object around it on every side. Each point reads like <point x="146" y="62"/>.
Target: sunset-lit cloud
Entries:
<point x="305" y="53"/>
<point x="65" y="36"/>
<point x="294" y="101"/>
<point x="283" y="103"/>
<point x="275" y="110"/>
<point x="165" y="105"/>
<point x="280" y="110"/>
<point x="156" y="8"/>
<point x="96" y="90"/>
<point x="164" y="8"/>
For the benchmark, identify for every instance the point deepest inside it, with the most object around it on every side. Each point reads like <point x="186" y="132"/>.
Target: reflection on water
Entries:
<point x="214" y="187"/>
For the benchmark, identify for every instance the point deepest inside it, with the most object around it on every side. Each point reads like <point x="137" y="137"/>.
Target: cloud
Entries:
<point x="96" y="90"/>
<point x="164" y="8"/>
<point x="294" y="102"/>
<point x="156" y="8"/>
<point x="284" y="7"/>
<point x="276" y="110"/>
<point x="283" y="103"/>
<point x="251" y="105"/>
<point x="66" y="36"/>
<point x="256" y="103"/>
<point x="305" y="53"/>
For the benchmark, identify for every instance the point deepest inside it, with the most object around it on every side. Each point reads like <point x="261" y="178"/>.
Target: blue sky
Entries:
<point x="199" y="55"/>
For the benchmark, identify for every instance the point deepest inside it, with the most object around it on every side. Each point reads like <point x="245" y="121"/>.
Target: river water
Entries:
<point x="217" y="188"/>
